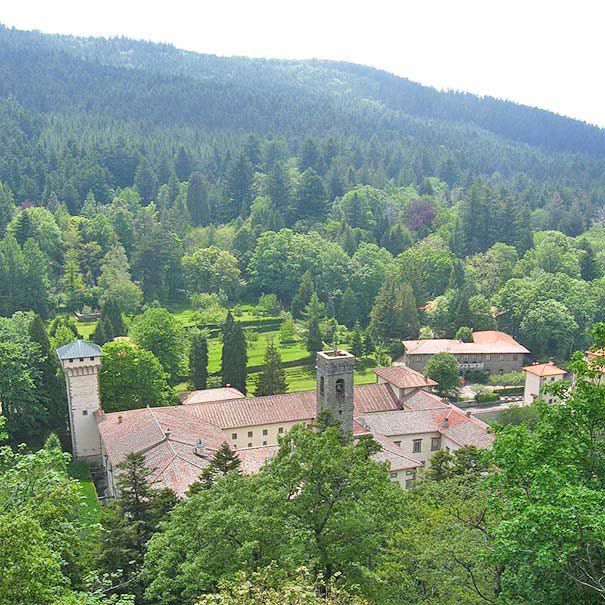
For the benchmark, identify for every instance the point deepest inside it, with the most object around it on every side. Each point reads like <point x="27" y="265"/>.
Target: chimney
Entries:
<point x="167" y="434"/>
<point x="468" y="413"/>
<point x="119" y="418"/>
<point x="445" y="423"/>
<point x="199" y="449"/>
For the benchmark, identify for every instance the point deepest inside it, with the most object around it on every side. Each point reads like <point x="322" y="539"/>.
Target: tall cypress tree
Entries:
<point x="111" y="310"/>
<point x="7" y="208"/>
<point x="50" y="382"/>
<point x="198" y="361"/>
<point x="357" y="341"/>
<point x="272" y="380"/>
<point x="234" y="356"/>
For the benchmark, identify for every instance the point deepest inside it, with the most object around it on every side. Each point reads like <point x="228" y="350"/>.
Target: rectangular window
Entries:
<point x="280" y="430"/>
<point x="515" y="356"/>
<point x="84" y="412"/>
<point x="397" y="443"/>
<point x="501" y="357"/>
<point x="435" y="444"/>
<point x="417" y="446"/>
<point x="249" y="445"/>
<point x="410" y="473"/>
<point x="264" y="443"/>
<point x="393" y="475"/>
<point x="265" y="432"/>
<point x="409" y="483"/>
<point x="249" y="434"/>
<point x="234" y="436"/>
<point x="488" y="357"/>
<point x="81" y="358"/>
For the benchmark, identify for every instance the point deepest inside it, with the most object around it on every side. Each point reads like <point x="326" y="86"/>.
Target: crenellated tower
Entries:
<point x="81" y="362"/>
<point x="335" y="377"/>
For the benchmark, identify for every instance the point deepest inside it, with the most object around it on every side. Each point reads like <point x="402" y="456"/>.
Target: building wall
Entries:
<point x="406" y="442"/>
<point x="81" y="376"/>
<point x="262" y="434"/>
<point x="495" y="363"/>
<point x="534" y="385"/>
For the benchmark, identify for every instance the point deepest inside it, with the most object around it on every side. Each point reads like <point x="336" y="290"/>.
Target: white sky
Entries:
<point x="543" y="53"/>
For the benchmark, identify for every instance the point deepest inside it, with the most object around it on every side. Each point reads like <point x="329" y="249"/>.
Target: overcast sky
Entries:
<point x="543" y="53"/>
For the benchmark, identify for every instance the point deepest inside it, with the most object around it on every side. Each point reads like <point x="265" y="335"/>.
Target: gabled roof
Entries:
<point x="289" y="407"/>
<point x="449" y="421"/>
<point x="207" y="395"/>
<point x="404" y="377"/>
<point x="487" y="342"/>
<point x="79" y="348"/>
<point x="544" y="369"/>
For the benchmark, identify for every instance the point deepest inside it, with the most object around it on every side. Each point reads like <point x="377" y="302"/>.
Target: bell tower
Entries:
<point x="81" y="362"/>
<point x="335" y="373"/>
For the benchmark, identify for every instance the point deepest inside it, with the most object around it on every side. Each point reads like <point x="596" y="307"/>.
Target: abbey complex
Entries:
<point x="400" y="411"/>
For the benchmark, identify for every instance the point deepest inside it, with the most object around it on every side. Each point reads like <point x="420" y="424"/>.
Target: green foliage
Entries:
<point x="132" y="377"/>
<point x="234" y="356"/>
<point x="198" y="361"/>
<point x="158" y="331"/>
<point x="464" y="334"/>
<point x="333" y="525"/>
<point x="443" y="369"/>
<point x="272" y="379"/>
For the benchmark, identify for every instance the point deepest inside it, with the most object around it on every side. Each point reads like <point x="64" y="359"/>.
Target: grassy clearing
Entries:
<point x="92" y="507"/>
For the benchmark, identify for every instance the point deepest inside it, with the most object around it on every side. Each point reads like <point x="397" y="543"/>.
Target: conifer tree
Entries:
<point x="225" y="461"/>
<point x="272" y="379"/>
<point x="279" y="189"/>
<point x="111" y="310"/>
<point x="50" y="382"/>
<point x="234" y="356"/>
<point x="303" y="296"/>
<point x="35" y="285"/>
<point x="182" y="166"/>
<point x="357" y="348"/>
<point x="198" y="361"/>
<point x="7" y="208"/>
<point x="368" y="344"/>
<point x="197" y="200"/>
<point x="349" y="311"/>
<point x="314" y="312"/>
<point x="104" y="331"/>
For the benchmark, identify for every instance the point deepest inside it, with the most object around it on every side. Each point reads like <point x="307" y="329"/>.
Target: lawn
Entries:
<point x="92" y="507"/>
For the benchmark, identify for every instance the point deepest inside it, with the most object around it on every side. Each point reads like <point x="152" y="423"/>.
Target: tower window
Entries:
<point x="84" y="412"/>
<point x="340" y="387"/>
<point x="321" y="385"/>
<point x="81" y="358"/>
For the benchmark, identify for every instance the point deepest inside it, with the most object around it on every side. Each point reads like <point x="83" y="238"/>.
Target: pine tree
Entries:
<point x="406" y="313"/>
<point x="7" y="208"/>
<point x="198" y="361"/>
<point x="349" y="311"/>
<point x="182" y="166"/>
<point x="103" y="331"/>
<point x="35" y="286"/>
<point x="314" y="312"/>
<point x="50" y="382"/>
<point x="239" y="188"/>
<point x="272" y="379"/>
<point x="23" y="227"/>
<point x="357" y="348"/>
<point x="368" y="344"/>
<point x="197" y="200"/>
<point x="225" y="461"/>
<point x="279" y="189"/>
<point x="146" y="181"/>
<point x="234" y="356"/>
<point x="111" y="310"/>
<point x="303" y="296"/>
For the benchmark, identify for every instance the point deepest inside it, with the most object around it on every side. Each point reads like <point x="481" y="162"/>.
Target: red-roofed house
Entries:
<point x="537" y="376"/>
<point x="490" y="351"/>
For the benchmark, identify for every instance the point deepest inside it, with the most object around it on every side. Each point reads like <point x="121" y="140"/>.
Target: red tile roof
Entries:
<point x="206" y="395"/>
<point x="487" y="342"/>
<point x="290" y="407"/>
<point x="460" y="428"/>
<point x="404" y="377"/>
<point x="544" y="369"/>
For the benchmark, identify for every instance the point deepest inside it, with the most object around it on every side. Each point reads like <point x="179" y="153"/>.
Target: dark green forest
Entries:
<point x="339" y="203"/>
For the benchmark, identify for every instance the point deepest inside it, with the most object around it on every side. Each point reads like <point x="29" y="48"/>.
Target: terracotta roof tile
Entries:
<point x="488" y="342"/>
<point x="208" y="395"/>
<point x="544" y="369"/>
<point x="404" y="377"/>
